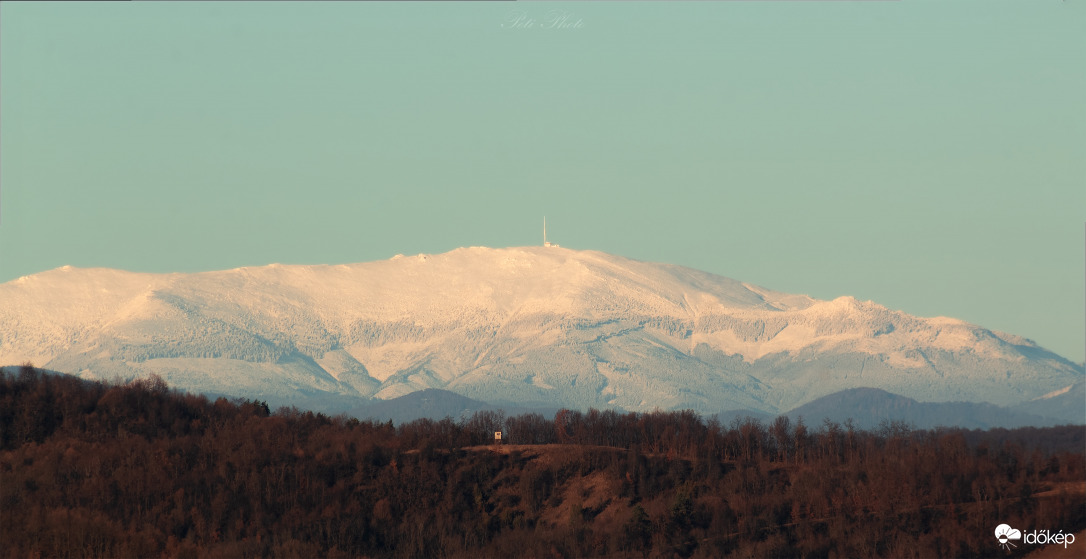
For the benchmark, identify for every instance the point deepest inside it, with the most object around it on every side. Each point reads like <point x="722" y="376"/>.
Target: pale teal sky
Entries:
<point x="929" y="156"/>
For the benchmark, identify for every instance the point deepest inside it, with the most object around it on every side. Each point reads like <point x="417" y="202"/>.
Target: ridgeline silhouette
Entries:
<point x="139" y="470"/>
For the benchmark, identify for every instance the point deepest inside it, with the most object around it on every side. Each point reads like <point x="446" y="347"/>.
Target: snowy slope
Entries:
<point x="531" y="326"/>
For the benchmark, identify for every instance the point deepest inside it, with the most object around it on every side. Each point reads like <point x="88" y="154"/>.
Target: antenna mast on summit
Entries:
<point x="546" y="243"/>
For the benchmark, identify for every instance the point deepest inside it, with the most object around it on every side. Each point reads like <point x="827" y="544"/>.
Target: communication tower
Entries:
<point x="547" y="243"/>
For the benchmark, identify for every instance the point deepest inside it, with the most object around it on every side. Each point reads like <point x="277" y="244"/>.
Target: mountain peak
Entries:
<point x="528" y="325"/>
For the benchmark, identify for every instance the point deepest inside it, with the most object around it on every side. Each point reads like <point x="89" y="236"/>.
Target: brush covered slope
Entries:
<point x="138" y="470"/>
<point x="528" y="326"/>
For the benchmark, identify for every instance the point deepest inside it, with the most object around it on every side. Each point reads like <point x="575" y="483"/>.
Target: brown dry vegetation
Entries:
<point x="94" y="470"/>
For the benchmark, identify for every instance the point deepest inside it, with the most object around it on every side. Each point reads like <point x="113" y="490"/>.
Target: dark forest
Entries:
<point x="136" y="469"/>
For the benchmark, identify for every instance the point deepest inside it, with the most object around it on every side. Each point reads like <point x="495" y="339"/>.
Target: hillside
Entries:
<point x="138" y="470"/>
<point x="870" y="407"/>
<point x="532" y="326"/>
<point x="1067" y="404"/>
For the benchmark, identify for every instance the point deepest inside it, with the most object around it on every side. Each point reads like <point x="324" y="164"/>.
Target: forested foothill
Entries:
<point x="136" y="469"/>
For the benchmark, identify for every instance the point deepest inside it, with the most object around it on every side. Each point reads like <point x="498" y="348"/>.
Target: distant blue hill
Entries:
<point x="1069" y="406"/>
<point x="432" y="403"/>
<point x="869" y="407"/>
<point x="436" y="404"/>
<point x="866" y="407"/>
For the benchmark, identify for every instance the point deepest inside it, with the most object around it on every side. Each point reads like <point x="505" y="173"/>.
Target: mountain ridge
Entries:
<point x="869" y="407"/>
<point x="550" y="326"/>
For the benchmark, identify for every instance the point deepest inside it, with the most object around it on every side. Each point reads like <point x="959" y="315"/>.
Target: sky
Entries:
<point x="929" y="156"/>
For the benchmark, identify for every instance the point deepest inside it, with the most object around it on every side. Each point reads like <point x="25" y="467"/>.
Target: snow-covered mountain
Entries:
<point x="541" y="326"/>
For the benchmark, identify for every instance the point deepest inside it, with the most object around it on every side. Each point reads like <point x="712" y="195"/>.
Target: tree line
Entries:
<point x="136" y="469"/>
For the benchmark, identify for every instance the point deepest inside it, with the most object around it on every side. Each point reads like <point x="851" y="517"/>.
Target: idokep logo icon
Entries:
<point x="1004" y="533"/>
